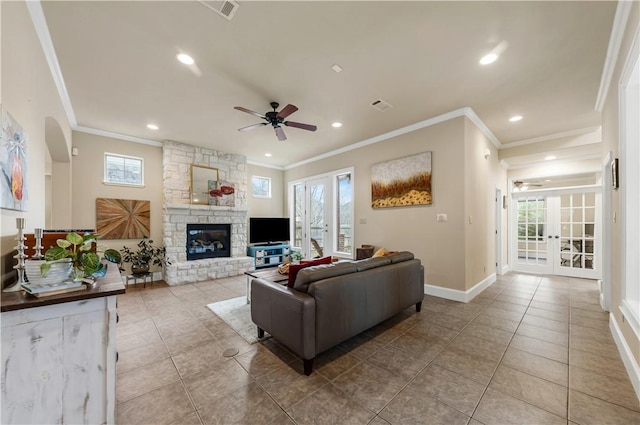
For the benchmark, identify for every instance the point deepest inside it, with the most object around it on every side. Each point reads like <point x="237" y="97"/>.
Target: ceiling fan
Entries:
<point x="520" y="185"/>
<point x="275" y="119"/>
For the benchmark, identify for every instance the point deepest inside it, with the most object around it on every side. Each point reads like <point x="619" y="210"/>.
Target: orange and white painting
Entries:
<point x="402" y="182"/>
<point x="13" y="164"/>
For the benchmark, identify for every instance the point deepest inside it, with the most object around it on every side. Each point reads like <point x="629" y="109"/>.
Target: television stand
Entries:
<point x="268" y="255"/>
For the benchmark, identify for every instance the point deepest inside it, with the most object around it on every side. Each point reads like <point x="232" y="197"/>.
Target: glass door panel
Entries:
<point x="298" y="219"/>
<point x="577" y="238"/>
<point x="318" y="226"/>
<point x="532" y="234"/>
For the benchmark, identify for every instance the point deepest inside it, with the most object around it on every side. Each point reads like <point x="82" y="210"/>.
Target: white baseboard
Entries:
<point x="456" y="294"/>
<point x="505" y="269"/>
<point x="633" y="370"/>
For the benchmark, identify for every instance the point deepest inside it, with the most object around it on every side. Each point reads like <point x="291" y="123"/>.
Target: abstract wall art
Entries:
<point x="123" y="218"/>
<point x="13" y="164"/>
<point x="402" y="182"/>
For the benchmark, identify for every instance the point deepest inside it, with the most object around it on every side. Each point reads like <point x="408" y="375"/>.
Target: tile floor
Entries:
<point x="528" y="350"/>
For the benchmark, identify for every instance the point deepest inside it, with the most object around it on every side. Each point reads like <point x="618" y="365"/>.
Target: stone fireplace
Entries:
<point x="180" y="216"/>
<point x="208" y="241"/>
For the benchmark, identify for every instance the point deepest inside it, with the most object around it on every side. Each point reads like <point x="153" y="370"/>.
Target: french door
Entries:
<point x="557" y="233"/>
<point x="311" y="218"/>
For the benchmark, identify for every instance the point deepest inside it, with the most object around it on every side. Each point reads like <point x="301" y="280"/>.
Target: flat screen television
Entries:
<point x="266" y="230"/>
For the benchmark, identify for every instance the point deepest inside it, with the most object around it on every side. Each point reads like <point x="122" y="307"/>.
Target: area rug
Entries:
<point x="236" y="313"/>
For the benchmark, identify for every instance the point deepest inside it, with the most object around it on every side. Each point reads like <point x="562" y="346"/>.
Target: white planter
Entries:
<point x="59" y="272"/>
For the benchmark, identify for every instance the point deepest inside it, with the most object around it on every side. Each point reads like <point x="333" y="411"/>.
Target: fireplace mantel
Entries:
<point x="199" y="207"/>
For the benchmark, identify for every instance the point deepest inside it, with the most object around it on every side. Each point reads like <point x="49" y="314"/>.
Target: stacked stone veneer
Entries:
<point x="178" y="212"/>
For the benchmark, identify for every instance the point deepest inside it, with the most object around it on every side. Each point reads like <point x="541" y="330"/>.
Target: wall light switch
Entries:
<point x="441" y="218"/>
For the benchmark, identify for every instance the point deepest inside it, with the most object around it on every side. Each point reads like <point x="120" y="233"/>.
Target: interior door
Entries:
<point x="532" y="235"/>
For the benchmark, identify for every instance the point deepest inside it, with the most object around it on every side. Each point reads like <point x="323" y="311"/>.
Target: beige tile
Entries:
<point x="497" y="322"/>
<point x="221" y="379"/>
<point x="550" y="306"/>
<point x="288" y="384"/>
<point x="180" y="341"/>
<point x="537" y="366"/>
<point x="144" y="379"/>
<point x="540" y="322"/>
<point x="598" y="364"/>
<point x="369" y="385"/>
<point x="263" y="360"/>
<point x="249" y="404"/>
<point x="477" y="347"/>
<point x="419" y="346"/>
<point x="587" y="410"/>
<point x="334" y="362"/>
<point x="498" y="408"/>
<point x="548" y="314"/>
<point x="551" y="351"/>
<point x="536" y="391"/>
<point x="427" y="328"/>
<point x="603" y="335"/>
<point x="198" y="359"/>
<point x="514" y="300"/>
<point x="487" y="333"/>
<point x="140" y="356"/>
<point x="595" y="346"/>
<point x="403" y="365"/>
<point x="449" y="321"/>
<point x="450" y="388"/>
<point x="191" y="419"/>
<point x="516" y="308"/>
<point x="378" y="421"/>
<point x="165" y="405"/>
<point x="615" y="390"/>
<point x="412" y="407"/>
<point x="361" y="346"/>
<point x="578" y="315"/>
<point x="329" y="405"/>
<point x="476" y="368"/>
<point x="554" y="337"/>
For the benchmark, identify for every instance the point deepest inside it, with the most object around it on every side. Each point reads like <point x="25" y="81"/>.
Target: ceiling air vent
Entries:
<point x="224" y="8"/>
<point x="381" y="105"/>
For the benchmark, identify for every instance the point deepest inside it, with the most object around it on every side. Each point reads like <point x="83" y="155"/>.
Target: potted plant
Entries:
<point x="145" y="255"/>
<point x="78" y="250"/>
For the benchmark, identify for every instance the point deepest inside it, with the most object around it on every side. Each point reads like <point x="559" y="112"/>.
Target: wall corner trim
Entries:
<point x="633" y="370"/>
<point x="456" y="294"/>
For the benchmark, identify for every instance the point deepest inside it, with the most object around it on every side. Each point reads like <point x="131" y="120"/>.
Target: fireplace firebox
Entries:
<point x="208" y="241"/>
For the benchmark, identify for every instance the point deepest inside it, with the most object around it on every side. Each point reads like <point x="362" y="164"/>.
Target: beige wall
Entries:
<point x="88" y="174"/>
<point x="267" y="207"/>
<point x="610" y="135"/>
<point x="481" y="178"/>
<point x="440" y="246"/>
<point x="30" y="96"/>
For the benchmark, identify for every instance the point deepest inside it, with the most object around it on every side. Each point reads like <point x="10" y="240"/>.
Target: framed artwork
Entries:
<point x="614" y="174"/>
<point x="123" y="218"/>
<point x="13" y="164"/>
<point x="222" y="193"/>
<point x="402" y="182"/>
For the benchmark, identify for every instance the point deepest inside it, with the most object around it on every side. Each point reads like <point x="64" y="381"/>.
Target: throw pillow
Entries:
<point x="379" y="253"/>
<point x="294" y="268"/>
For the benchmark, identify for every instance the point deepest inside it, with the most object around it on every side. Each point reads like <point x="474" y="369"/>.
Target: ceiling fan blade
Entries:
<point x="286" y="111"/>
<point x="253" y="126"/>
<point x="280" y="133"/>
<point x="248" y="111"/>
<point x="300" y="125"/>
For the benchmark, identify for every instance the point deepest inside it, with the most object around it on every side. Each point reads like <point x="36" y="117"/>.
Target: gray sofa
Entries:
<point x="332" y="303"/>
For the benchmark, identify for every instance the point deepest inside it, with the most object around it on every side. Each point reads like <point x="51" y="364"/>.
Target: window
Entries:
<point x="125" y="170"/>
<point x="260" y="187"/>
<point x="344" y="214"/>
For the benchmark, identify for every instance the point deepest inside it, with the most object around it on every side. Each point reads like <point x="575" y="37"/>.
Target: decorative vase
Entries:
<point x="58" y="273"/>
<point x="139" y="268"/>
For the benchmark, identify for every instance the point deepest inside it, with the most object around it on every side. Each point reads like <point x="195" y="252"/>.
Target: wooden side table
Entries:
<point x="138" y="276"/>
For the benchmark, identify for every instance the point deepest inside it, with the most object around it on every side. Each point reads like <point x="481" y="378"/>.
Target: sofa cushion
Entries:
<point x="294" y="268"/>
<point x="400" y="256"/>
<point x="371" y="263"/>
<point x="312" y="274"/>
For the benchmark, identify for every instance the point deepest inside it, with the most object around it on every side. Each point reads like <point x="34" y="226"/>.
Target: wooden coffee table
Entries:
<point x="271" y="274"/>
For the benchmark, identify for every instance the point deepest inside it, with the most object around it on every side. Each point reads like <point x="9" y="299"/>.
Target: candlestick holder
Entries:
<point x="20" y="257"/>
<point x="38" y="246"/>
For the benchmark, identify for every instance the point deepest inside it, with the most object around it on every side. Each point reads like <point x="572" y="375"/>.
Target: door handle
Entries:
<point x="557" y="237"/>
<point x="549" y="236"/>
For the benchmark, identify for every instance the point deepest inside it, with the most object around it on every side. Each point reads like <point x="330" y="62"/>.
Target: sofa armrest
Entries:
<point x="288" y="315"/>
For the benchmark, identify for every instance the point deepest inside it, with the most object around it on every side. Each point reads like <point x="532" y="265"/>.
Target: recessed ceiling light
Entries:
<point x="267" y="154"/>
<point x="550" y="157"/>
<point x="336" y="124"/>
<point x="336" y="67"/>
<point x="152" y="127"/>
<point x="515" y="118"/>
<point x="547" y="180"/>
<point x="489" y="58"/>
<point x="185" y="59"/>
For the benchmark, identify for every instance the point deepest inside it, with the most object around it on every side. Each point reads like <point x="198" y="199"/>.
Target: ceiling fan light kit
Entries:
<point x="276" y="119"/>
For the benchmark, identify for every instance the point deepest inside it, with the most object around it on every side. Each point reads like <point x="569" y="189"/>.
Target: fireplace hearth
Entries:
<point x="208" y="241"/>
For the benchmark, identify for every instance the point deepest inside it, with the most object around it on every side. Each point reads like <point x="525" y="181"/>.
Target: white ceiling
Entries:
<point x="118" y="61"/>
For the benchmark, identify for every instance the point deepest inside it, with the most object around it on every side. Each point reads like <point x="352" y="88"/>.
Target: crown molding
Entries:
<point x="261" y="164"/>
<point x="548" y="137"/>
<point x="623" y="11"/>
<point x="40" y="24"/>
<point x="470" y="113"/>
<point x="557" y="161"/>
<point x="104" y="133"/>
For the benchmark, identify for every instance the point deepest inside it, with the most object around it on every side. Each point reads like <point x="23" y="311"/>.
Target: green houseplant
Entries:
<point x="78" y="249"/>
<point x="145" y="255"/>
